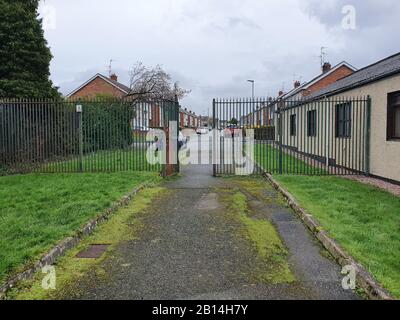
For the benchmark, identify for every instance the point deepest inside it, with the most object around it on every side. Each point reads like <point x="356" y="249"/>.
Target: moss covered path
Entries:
<point x="208" y="238"/>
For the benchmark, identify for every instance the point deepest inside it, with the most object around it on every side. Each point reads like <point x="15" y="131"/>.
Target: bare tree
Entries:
<point x="153" y="83"/>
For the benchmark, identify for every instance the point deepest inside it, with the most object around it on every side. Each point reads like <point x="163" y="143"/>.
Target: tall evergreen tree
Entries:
<point x="24" y="54"/>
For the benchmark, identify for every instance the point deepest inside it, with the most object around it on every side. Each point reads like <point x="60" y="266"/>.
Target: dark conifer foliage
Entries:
<point x="24" y="54"/>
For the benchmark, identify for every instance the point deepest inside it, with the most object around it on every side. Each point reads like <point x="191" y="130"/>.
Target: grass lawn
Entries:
<point x="267" y="157"/>
<point x="38" y="210"/>
<point x="106" y="161"/>
<point x="123" y="225"/>
<point x="363" y="219"/>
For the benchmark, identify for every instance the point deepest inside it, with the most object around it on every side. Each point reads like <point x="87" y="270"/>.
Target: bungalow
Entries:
<point x="147" y="116"/>
<point x="381" y="83"/>
<point x="100" y="85"/>
<point x="328" y="76"/>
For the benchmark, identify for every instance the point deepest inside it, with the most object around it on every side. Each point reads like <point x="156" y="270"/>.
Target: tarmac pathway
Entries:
<point x="188" y="249"/>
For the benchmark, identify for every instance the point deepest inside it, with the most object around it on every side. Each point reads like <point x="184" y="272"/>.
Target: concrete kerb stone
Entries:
<point x="364" y="279"/>
<point x="68" y="243"/>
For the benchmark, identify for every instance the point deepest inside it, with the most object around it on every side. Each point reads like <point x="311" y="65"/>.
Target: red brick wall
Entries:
<point x="181" y="119"/>
<point x="338" y="74"/>
<point x="96" y="87"/>
<point x="155" y="121"/>
<point x="265" y="117"/>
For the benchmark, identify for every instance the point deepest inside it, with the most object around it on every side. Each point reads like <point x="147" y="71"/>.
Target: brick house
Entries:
<point x="100" y="85"/>
<point x="381" y="82"/>
<point x="329" y="76"/>
<point x="150" y="116"/>
<point x="188" y="119"/>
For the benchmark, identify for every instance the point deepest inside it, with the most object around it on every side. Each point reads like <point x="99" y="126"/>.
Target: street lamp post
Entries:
<point x="252" y="87"/>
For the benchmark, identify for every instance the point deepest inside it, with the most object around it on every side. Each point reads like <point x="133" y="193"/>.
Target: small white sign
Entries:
<point x="79" y="108"/>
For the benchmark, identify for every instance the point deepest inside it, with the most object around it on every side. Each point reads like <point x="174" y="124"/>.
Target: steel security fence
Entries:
<point x="96" y="135"/>
<point x="327" y="136"/>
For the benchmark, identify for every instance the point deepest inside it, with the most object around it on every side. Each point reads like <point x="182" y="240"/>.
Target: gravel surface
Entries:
<point x="189" y="250"/>
<point x="381" y="184"/>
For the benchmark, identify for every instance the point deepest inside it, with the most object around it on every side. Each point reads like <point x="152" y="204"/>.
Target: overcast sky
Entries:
<point x="214" y="46"/>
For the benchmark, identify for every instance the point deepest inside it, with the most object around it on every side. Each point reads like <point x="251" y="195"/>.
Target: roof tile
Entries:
<point x="376" y="71"/>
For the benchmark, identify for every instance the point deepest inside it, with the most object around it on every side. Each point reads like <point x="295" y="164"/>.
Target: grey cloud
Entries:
<point x="377" y="22"/>
<point x="232" y="23"/>
<point x="370" y="13"/>
<point x="237" y="22"/>
<point x="212" y="47"/>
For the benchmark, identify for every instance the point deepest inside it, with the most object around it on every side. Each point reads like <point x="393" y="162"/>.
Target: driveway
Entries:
<point x="191" y="248"/>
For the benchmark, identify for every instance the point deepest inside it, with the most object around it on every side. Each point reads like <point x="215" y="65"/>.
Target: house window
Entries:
<point x="293" y="125"/>
<point x="393" y="121"/>
<point x="343" y="120"/>
<point x="312" y="123"/>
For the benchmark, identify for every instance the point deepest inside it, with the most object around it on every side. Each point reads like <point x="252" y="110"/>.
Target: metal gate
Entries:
<point x="329" y="136"/>
<point x="96" y="135"/>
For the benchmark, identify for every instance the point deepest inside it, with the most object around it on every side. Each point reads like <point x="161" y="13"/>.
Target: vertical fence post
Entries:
<point x="214" y="155"/>
<point x="165" y="143"/>
<point x="280" y="140"/>
<point x="368" y="138"/>
<point x="80" y="135"/>
<point x="176" y="116"/>
<point x="327" y="106"/>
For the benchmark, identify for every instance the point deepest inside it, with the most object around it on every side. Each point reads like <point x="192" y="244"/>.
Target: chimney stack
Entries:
<point x="326" y="67"/>
<point x="114" y="77"/>
<point x="297" y="84"/>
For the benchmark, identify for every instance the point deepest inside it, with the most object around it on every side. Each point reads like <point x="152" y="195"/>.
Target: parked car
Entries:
<point x="232" y="130"/>
<point x="202" y="130"/>
<point x="141" y="128"/>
